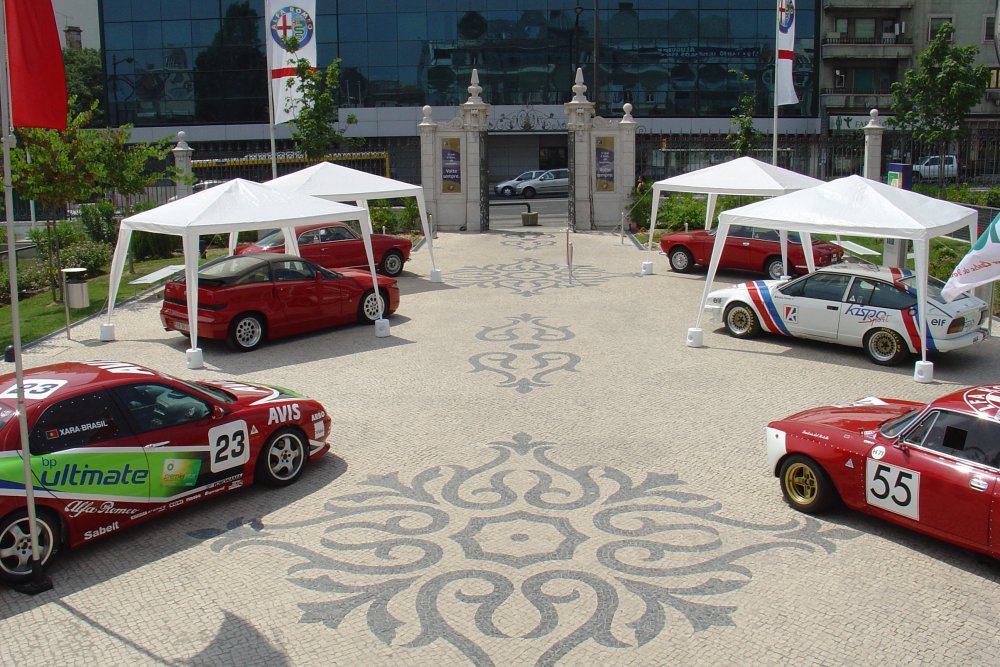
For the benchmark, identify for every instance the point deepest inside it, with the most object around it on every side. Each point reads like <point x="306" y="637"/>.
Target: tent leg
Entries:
<point x="381" y="328"/>
<point x="923" y="371"/>
<point x="435" y="275"/>
<point x="195" y="359"/>
<point x="107" y="332"/>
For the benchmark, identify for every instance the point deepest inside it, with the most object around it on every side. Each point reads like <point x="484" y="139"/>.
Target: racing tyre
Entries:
<point x="283" y="458"/>
<point x="528" y="193"/>
<point x="246" y="332"/>
<point x="774" y="268"/>
<point x="805" y="485"/>
<point x="741" y="321"/>
<point x="368" y="310"/>
<point x="392" y="263"/>
<point x="885" y="347"/>
<point x="681" y="260"/>
<point x="507" y="191"/>
<point x="15" y="544"/>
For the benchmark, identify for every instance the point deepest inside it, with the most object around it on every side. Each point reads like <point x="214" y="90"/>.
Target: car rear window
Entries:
<point x="231" y="270"/>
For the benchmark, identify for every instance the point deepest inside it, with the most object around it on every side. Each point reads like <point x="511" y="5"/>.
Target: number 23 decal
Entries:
<point x="229" y="445"/>
<point x="892" y="488"/>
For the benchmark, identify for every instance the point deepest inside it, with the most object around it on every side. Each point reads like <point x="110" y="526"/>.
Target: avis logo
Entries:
<point x="283" y="413"/>
<point x="791" y="314"/>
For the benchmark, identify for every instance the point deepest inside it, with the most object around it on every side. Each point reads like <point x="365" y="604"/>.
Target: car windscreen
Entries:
<point x="934" y="286"/>
<point x="272" y="239"/>
<point x="894" y="427"/>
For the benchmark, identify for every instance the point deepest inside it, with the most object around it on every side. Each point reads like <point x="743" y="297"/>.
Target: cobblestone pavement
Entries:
<point x="529" y="471"/>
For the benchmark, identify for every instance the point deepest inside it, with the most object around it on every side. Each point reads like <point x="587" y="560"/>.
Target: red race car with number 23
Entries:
<point x="113" y="444"/>
<point x="931" y="467"/>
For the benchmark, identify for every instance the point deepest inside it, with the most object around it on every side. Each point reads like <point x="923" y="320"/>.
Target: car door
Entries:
<point x="310" y="245"/>
<point x="296" y="297"/>
<point x="940" y="479"/>
<point x="190" y="448"/>
<point x="342" y="248"/>
<point x="811" y="307"/>
<point x="546" y="182"/>
<point x="84" y="454"/>
<point x="738" y="251"/>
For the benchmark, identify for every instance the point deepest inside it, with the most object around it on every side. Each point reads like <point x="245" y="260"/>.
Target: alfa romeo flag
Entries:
<point x="980" y="266"/>
<point x="784" y="84"/>
<point x="35" y="65"/>
<point x="284" y="22"/>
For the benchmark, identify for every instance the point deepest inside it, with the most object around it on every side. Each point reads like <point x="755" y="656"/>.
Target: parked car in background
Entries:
<point x="336" y="245"/>
<point x="929" y="467"/>
<point x="113" y="444"/>
<point x="247" y="299"/>
<point x="506" y="188"/>
<point x="551" y="182"/>
<point x="861" y="305"/>
<point x="747" y="248"/>
<point x="929" y="167"/>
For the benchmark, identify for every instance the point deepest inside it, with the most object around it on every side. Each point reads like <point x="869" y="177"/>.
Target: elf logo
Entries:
<point x="103" y="530"/>
<point x="280" y="414"/>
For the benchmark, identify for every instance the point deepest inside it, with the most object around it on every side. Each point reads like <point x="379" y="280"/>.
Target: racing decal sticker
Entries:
<point x="229" y="445"/>
<point x="910" y="321"/>
<point x="791" y="314"/>
<point x="985" y="400"/>
<point x="878" y="453"/>
<point x="118" y="367"/>
<point x="180" y="472"/>
<point x="77" y="508"/>
<point x="281" y="414"/>
<point x="35" y="389"/>
<point x="893" y="489"/>
<point x="762" y="301"/>
<point x="866" y="314"/>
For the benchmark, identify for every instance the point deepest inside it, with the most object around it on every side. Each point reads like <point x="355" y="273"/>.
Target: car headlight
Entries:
<point x="956" y="325"/>
<point x="984" y="315"/>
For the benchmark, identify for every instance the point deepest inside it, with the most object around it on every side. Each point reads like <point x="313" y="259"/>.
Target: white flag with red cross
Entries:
<point x="784" y="83"/>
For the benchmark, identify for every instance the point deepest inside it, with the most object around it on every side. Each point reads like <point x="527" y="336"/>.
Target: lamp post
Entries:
<point x="575" y="59"/>
<point x="597" y="56"/>
<point x="114" y="82"/>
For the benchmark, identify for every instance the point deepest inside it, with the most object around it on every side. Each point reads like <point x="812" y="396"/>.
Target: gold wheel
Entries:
<point x="801" y="484"/>
<point x="806" y="485"/>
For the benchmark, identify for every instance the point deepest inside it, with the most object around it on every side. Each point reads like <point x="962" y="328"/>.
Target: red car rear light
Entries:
<point x="956" y="325"/>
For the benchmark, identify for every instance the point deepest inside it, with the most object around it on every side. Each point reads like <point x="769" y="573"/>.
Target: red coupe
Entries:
<point x="336" y="245"/>
<point x="246" y="299"/>
<point x="747" y="248"/>
<point x="113" y="444"/>
<point x="933" y="468"/>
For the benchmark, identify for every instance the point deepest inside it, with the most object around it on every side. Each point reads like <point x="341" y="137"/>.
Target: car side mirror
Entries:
<point x="901" y="446"/>
<point x="218" y="413"/>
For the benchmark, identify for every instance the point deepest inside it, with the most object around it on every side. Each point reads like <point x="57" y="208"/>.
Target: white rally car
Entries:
<point x="855" y="304"/>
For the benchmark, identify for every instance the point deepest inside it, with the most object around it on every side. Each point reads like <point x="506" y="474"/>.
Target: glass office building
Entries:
<point x="195" y="62"/>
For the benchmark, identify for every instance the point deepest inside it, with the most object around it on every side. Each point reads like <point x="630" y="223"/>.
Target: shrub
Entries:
<point x="99" y="221"/>
<point x="381" y="215"/>
<point x="68" y="232"/>
<point x="94" y="257"/>
<point x="148" y="245"/>
<point x="32" y="276"/>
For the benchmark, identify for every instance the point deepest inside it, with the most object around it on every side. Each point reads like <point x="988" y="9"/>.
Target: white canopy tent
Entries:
<point x="339" y="183"/>
<point x="852" y="206"/>
<point x="743" y="176"/>
<point x="233" y="206"/>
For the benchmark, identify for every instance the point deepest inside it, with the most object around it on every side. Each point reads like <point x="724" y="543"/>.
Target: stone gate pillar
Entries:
<point x="182" y="161"/>
<point x="601" y="162"/>
<point x="453" y="165"/>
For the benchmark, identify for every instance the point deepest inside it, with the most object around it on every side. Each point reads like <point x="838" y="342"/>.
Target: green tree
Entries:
<point x="745" y="137"/>
<point x="315" y="129"/>
<point x="84" y="82"/>
<point x="934" y="99"/>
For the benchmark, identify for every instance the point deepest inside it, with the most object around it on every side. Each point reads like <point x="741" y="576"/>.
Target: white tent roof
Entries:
<point x="742" y="176"/>
<point x="855" y="206"/>
<point x="338" y="183"/>
<point x="229" y="207"/>
<point x="239" y="205"/>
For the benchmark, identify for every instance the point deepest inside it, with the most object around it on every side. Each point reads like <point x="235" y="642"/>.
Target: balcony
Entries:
<point x="844" y="98"/>
<point x="887" y="47"/>
<point x="867" y="4"/>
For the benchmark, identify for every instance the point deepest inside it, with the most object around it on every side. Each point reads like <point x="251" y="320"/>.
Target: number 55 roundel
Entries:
<point x="229" y="445"/>
<point x="892" y="488"/>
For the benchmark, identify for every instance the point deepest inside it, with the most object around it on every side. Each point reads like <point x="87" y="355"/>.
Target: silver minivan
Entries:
<point x="552" y="182"/>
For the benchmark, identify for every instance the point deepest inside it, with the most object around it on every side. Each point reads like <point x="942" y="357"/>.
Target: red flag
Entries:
<point x="37" y="77"/>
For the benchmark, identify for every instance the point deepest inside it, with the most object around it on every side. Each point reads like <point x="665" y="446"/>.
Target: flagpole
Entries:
<point x="774" y="87"/>
<point x="38" y="581"/>
<point x="270" y="105"/>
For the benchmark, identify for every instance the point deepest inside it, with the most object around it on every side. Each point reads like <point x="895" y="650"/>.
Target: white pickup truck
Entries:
<point x="929" y="167"/>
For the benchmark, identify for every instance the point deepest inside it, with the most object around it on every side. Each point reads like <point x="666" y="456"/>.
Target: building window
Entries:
<point x="989" y="28"/>
<point x="934" y="24"/>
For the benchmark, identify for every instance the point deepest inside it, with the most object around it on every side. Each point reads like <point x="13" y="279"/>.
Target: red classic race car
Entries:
<point x="337" y="245"/>
<point x="747" y="248"/>
<point x="113" y="444"/>
<point x="932" y="468"/>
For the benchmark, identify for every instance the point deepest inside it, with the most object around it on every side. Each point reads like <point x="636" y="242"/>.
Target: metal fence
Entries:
<point x="257" y="166"/>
